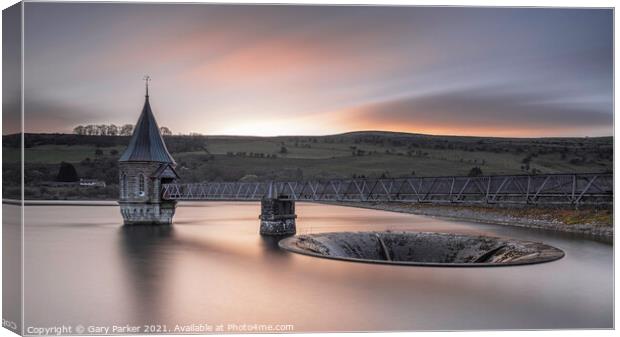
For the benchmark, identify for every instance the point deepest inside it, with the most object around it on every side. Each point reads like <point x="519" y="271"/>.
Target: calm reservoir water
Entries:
<point x="83" y="267"/>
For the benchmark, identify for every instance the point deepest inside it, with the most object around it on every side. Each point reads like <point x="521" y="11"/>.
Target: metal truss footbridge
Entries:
<point x="545" y="189"/>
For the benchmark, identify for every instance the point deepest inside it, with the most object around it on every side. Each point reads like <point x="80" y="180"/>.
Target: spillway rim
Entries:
<point x="286" y="244"/>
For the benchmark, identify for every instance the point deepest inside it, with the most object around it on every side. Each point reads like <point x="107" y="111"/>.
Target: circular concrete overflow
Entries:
<point x="422" y="248"/>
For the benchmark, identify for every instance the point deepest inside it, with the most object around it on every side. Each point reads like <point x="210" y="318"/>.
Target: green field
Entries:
<point x="53" y="154"/>
<point x="348" y="155"/>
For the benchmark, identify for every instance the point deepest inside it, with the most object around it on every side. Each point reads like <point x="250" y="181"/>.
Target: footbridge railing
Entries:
<point x="571" y="189"/>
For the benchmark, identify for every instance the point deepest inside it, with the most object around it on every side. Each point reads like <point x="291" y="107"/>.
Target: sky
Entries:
<point x="316" y="70"/>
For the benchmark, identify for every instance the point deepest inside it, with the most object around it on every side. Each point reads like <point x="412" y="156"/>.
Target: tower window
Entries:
<point x="124" y="185"/>
<point x="141" y="185"/>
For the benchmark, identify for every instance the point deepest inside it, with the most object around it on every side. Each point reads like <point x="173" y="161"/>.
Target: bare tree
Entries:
<point x="112" y="130"/>
<point x="79" y="130"/>
<point x="108" y="130"/>
<point x="90" y="130"/>
<point x="102" y="130"/>
<point x="126" y="130"/>
<point x="165" y="131"/>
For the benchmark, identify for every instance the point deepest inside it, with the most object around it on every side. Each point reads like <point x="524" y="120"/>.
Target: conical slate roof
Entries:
<point x="146" y="143"/>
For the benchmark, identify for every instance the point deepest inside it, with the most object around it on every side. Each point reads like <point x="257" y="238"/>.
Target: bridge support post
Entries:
<point x="277" y="216"/>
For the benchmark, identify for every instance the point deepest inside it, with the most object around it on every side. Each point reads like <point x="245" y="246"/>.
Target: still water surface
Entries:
<point x="83" y="267"/>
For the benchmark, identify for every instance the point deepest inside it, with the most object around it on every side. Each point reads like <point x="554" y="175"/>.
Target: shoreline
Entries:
<point x="497" y="216"/>
<point x="60" y="202"/>
<point x="597" y="225"/>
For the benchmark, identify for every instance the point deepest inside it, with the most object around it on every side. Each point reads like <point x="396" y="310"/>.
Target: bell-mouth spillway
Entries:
<point x="422" y="249"/>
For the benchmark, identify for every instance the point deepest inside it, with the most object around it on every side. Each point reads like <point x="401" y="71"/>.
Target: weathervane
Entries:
<point x="147" y="79"/>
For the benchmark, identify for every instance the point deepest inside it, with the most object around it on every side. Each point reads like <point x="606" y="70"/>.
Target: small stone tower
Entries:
<point x="277" y="216"/>
<point x="145" y="165"/>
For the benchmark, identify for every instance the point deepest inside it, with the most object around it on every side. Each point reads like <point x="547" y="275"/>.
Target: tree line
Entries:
<point x="111" y="130"/>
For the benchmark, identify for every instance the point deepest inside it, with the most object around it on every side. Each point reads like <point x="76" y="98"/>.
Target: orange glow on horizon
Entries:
<point x="320" y="70"/>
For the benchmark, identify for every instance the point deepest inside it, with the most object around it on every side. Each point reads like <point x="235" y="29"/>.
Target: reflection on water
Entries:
<point x="144" y="254"/>
<point x="270" y="245"/>
<point x="213" y="267"/>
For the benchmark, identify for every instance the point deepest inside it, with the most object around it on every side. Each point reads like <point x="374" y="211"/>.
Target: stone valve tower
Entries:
<point x="277" y="216"/>
<point x="145" y="165"/>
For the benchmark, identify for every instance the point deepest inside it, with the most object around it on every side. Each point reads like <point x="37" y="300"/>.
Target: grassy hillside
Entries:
<point x="369" y="154"/>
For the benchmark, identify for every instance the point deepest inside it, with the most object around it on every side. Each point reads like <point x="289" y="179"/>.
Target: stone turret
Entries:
<point x="277" y="216"/>
<point x="145" y="165"/>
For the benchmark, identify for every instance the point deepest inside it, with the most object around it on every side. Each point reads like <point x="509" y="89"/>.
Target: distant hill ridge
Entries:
<point x="364" y="133"/>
